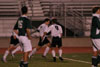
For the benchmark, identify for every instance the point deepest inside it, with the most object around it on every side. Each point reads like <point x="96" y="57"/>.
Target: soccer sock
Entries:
<point x="6" y="54"/>
<point x="94" y="60"/>
<point x="53" y="53"/>
<point x="25" y="64"/>
<point x="33" y="52"/>
<point x="21" y="63"/>
<point x="17" y="49"/>
<point x="60" y="52"/>
<point x="46" y="51"/>
<point x="98" y="59"/>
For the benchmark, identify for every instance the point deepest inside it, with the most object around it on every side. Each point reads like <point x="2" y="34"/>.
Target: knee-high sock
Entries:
<point x="98" y="59"/>
<point x="60" y="52"/>
<point x="25" y="64"/>
<point x="53" y="53"/>
<point x="94" y="60"/>
<point x="6" y="54"/>
<point x="15" y="50"/>
<point x="46" y="51"/>
<point x="33" y="52"/>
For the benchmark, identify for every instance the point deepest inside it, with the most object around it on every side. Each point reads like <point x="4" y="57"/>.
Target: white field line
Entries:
<point x="77" y="60"/>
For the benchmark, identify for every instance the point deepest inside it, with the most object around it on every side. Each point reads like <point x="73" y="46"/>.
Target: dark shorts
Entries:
<point x="56" y="41"/>
<point x="43" y="42"/>
<point x="13" y="41"/>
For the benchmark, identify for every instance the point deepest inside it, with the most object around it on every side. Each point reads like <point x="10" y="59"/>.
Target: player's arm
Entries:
<point x="15" y="34"/>
<point x="98" y="23"/>
<point x="28" y="33"/>
<point x="15" y="31"/>
<point x="28" y="29"/>
<point x="61" y="32"/>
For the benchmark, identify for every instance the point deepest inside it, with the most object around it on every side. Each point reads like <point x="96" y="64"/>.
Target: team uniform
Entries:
<point x="13" y="41"/>
<point x="22" y="24"/>
<point x="42" y="41"/>
<point x="95" y="37"/>
<point x="43" y="28"/>
<point x="95" y="32"/>
<point x="56" y="32"/>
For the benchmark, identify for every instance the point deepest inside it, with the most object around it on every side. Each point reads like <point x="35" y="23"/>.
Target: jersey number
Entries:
<point x="20" y="24"/>
<point x="56" y="27"/>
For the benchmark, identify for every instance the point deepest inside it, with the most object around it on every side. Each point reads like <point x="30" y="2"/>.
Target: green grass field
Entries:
<point x="38" y="61"/>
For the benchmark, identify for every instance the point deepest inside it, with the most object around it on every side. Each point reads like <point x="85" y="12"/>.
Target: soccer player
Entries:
<point x="23" y="25"/>
<point x="13" y="41"/>
<point x="95" y="36"/>
<point x="56" y="33"/>
<point x="43" y="38"/>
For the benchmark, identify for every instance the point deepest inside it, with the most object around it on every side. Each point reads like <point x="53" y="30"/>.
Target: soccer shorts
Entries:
<point x="13" y="41"/>
<point x="43" y="42"/>
<point x="56" y="41"/>
<point x="96" y="44"/>
<point x="25" y="43"/>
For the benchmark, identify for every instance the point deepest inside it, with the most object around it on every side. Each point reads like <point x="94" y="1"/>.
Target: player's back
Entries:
<point x="22" y="24"/>
<point x="56" y="30"/>
<point x="95" y="28"/>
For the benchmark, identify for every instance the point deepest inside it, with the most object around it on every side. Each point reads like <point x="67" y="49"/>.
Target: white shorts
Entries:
<point x="96" y="44"/>
<point x="25" y="43"/>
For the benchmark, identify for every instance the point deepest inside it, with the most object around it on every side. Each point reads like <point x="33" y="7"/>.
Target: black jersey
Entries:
<point x="95" y="28"/>
<point x="22" y="24"/>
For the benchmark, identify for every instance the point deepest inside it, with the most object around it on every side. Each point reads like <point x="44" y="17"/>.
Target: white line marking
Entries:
<point x="78" y="61"/>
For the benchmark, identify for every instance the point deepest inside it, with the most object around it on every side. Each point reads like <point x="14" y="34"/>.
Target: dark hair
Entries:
<point x="24" y="10"/>
<point x="95" y="9"/>
<point x="54" y="21"/>
<point x="46" y="20"/>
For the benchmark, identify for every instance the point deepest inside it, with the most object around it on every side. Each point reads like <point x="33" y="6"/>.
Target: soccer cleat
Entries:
<point x="30" y="57"/>
<point x="61" y="58"/>
<point x="43" y="56"/>
<point x="4" y="60"/>
<point x="54" y="59"/>
<point x="21" y="64"/>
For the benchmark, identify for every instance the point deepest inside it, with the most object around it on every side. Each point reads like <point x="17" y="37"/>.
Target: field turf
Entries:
<point x="38" y="61"/>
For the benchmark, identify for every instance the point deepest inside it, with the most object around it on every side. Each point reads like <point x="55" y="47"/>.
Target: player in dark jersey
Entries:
<point x="13" y="41"/>
<point x="95" y="36"/>
<point x="23" y="25"/>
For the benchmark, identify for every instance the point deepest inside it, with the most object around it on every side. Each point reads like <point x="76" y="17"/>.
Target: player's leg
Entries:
<point x="15" y="50"/>
<point x="53" y="54"/>
<point x="60" y="53"/>
<point x="7" y="52"/>
<point x="46" y="41"/>
<point x="98" y="57"/>
<point x="95" y="53"/>
<point x="34" y="51"/>
<point x="59" y="43"/>
<point x="46" y="50"/>
<point x="27" y="47"/>
<point x="53" y="45"/>
<point x="40" y="44"/>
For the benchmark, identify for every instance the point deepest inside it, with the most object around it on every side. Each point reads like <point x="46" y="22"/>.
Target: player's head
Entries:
<point x="54" y="21"/>
<point x="24" y="10"/>
<point x="96" y="10"/>
<point x="47" y="21"/>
